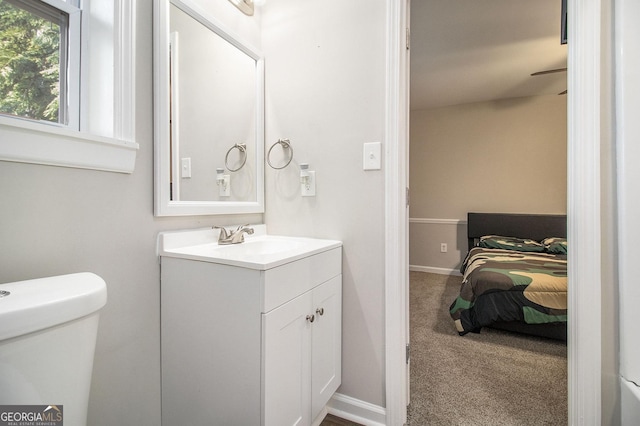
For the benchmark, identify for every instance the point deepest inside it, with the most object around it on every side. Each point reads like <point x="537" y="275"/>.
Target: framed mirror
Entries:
<point x="208" y="115"/>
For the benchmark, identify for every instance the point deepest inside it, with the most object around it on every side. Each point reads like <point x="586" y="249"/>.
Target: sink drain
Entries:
<point x="4" y="293"/>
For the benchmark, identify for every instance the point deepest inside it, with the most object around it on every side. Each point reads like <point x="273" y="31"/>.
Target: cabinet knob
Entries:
<point x="311" y="318"/>
<point x="320" y="311"/>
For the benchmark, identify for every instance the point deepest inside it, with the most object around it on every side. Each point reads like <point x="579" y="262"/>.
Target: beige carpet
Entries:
<point x="491" y="378"/>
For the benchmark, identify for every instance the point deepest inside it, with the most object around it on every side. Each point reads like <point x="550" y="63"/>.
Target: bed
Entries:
<point x="514" y="275"/>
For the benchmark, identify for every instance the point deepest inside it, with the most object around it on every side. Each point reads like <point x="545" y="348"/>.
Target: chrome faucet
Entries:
<point x="233" y="237"/>
<point x="223" y="234"/>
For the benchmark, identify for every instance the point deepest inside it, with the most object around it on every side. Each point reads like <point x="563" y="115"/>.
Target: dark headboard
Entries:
<point x="533" y="226"/>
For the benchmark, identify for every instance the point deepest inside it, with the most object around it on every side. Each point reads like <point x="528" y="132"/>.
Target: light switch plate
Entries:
<point x="371" y="158"/>
<point x="186" y="168"/>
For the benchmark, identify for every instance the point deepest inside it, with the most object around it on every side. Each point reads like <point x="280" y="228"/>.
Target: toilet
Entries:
<point x="48" y="329"/>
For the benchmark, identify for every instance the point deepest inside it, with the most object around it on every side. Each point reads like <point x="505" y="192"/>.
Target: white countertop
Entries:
<point x="259" y="251"/>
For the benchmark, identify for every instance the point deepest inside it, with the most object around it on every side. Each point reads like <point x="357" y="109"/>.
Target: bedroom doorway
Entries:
<point x="585" y="118"/>
<point x="485" y="99"/>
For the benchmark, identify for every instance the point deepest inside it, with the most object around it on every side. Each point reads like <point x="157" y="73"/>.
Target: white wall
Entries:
<point x="325" y="64"/>
<point x="507" y="156"/>
<point x="57" y="220"/>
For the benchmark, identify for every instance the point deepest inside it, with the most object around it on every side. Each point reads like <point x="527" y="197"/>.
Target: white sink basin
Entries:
<point x="259" y="246"/>
<point x="258" y="251"/>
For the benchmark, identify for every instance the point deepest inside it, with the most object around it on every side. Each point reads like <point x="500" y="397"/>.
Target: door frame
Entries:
<point x="584" y="116"/>
<point x="584" y="126"/>
<point x="396" y="213"/>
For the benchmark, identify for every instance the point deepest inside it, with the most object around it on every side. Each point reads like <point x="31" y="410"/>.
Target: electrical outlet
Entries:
<point x="224" y="187"/>
<point x="308" y="189"/>
<point x="443" y="247"/>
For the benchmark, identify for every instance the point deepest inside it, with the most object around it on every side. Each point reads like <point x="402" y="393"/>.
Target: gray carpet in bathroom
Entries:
<point x="491" y="378"/>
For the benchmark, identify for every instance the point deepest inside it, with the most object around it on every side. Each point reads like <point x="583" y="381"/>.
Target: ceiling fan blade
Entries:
<point x="549" y="71"/>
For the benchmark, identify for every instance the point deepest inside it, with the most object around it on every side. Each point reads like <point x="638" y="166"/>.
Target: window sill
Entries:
<point x="27" y="142"/>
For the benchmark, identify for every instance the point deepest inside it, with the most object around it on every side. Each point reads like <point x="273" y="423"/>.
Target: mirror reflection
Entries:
<point x="209" y="113"/>
<point x="213" y="101"/>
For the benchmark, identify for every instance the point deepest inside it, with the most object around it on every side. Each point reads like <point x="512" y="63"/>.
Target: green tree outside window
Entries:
<point x="29" y="64"/>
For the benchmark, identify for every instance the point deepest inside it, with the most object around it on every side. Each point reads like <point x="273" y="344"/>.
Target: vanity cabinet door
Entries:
<point x="302" y="355"/>
<point x="287" y="363"/>
<point x="326" y="343"/>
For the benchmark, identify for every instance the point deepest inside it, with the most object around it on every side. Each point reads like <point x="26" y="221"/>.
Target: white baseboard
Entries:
<point x="434" y="270"/>
<point x="356" y="410"/>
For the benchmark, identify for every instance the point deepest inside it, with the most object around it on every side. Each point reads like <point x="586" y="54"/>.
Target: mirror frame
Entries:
<point x="163" y="205"/>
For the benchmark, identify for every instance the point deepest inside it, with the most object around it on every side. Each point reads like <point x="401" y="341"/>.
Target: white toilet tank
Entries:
<point x="48" y="329"/>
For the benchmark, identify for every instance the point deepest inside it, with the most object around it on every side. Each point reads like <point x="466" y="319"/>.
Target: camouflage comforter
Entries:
<point x="505" y="285"/>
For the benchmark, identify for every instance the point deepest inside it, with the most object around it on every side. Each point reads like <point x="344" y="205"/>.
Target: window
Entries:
<point x="35" y="59"/>
<point x="66" y="83"/>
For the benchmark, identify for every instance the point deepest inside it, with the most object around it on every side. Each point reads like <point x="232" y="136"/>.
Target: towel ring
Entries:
<point x="285" y="144"/>
<point x="242" y="147"/>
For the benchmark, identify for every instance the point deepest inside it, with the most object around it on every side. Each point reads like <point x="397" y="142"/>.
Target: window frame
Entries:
<point x="100" y="132"/>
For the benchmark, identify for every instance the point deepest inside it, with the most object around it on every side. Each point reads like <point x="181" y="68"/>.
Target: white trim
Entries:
<point x="192" y="9"/>
<point x="26" y="142"/>
<point x="627" y="59"/>
<point x="174" y="112"/>
<point x="63" y="5"/>
<point x="583" y="176"/>
<point x="356" y="410"/>
<point x="434" y="270"/>
<point x="429" y="221"/>
<point x="584" y="221"/>
<point x="125" y="64"/>
<point x="163" y="205"/>
<point x="73" y="74"/>
<point x="396" y="215"/>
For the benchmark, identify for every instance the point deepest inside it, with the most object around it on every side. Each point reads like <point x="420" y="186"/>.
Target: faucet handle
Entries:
<point x="223" y="232"/>
<point x="244" y="228"/>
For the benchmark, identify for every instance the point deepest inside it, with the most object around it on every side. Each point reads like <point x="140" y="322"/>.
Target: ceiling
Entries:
<point x="465" y="51"/>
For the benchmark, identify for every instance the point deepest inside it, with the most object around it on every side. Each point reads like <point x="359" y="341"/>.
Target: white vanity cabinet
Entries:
<point x="301" y="355"/>
<point x="252" y="344"/>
